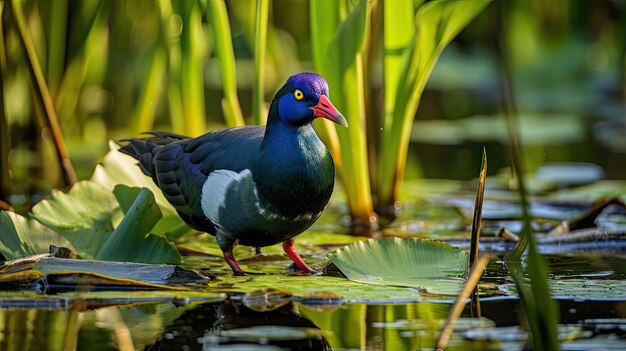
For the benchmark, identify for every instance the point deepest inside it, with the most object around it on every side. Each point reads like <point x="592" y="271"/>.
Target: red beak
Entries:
<point x="325" y="109"/>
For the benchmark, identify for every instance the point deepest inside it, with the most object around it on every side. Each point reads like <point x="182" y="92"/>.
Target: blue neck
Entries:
<point x="294" y="171"/>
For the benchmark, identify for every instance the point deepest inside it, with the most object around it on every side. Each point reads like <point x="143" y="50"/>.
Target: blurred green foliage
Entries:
<point x="117" y="68"/>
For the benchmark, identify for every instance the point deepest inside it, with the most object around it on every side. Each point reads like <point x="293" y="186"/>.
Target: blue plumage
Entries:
<point x="251" y="185"/>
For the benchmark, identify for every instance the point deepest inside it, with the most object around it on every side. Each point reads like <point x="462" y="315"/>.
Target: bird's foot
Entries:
<point x="230" y="259"/>
<point x="299" y="271"/>
<point x="289" y="247"/>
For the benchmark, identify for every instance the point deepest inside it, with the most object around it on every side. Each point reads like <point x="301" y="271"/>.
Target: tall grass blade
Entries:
<point x="191" y="71"/>
<point x="324" y="22"/>
<point x="55" y="22"/>
<point x="340" y="60"/>
<point x="437" y="23"/>
<point x="43" y="97"/>
<point x="143" y="117"/>
<point x="398" y="33"/>
<point x="217" y="17"/>
<point x="477" y="271"/>
<point x="171" y="28"/>
<point x="478" y="210"/>
<point x="85" y="64"/>
<point x="540" y="310"/>
<point x="5" y="147"/>
<point x="5" y="144"/>
<point x="260" y="45"/>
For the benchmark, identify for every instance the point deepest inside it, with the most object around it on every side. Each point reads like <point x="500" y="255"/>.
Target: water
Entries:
<point x="326" y="312"/>
<point x="228" y="325"/>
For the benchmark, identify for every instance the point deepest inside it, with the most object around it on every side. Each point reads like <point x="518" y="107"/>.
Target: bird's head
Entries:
<point x="303" y="98"/>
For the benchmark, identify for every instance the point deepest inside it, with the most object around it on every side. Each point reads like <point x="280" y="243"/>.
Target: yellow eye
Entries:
<point x="298" y="94"/>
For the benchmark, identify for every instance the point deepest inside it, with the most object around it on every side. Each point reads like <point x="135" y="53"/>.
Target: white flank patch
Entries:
<point x="243" y="200"/>
<point x="214" y="190"/>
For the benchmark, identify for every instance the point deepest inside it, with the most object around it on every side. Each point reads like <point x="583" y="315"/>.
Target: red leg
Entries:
<point x="230" y="259"/>
<point x="289" y="247"/>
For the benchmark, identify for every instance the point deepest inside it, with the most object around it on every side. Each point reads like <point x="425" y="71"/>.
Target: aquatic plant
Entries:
<point x="343" y="53"/>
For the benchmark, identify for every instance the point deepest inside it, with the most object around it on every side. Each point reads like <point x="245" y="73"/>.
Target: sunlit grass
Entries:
<point x="218" y="19"/>
<point x="260" y="47"/>
<point x="412" y="43"/>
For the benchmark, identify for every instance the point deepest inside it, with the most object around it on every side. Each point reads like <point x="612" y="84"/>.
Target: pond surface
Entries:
<point x="272" y="308"/>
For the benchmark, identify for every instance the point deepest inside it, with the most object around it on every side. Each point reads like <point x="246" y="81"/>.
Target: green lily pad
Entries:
<point x="84" y="216"/>
<point x="132" y="240"/>
<point x="140" y="272"/>
<point x="117" y="168"/>
<point x="592" y="192"/>
<point x="304" y="286"/>
<point x="26" y="237"/>
<point x="592" y="289"/>
<point x="432" y="266"/>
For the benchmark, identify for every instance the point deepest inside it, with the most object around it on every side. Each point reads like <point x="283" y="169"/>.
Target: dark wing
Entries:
<point x="182" y="167"/>
<point x="144" y="149"/>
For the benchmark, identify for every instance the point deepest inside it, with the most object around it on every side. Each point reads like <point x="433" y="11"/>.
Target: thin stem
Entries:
<point x="455" y="312"/>
<point x="42" y="94"/>
<point x="218" y="18"/>
<point x="5" y="144"/>
<point x="143" y="119"/>
<point x="260" y="46"/>
<point x="191" y="70"/>
<point x="478" y="209"/>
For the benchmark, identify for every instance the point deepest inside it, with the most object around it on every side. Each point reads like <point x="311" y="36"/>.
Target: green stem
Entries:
<point x="143" y="118"/>
<point x="360" y="200"/>
<point x="323" y="26"/>
<point x="217" y="16"/>
<point x="56" y="37"/>
<point x="5" y="146"/>
<point x="42" y="94"/>
<point x="5" y="141"/>
<point x="540" y="310"/>
<point x="168" y="32"/>
<point x="191" y="73"/>
<point x="260" y="46"/>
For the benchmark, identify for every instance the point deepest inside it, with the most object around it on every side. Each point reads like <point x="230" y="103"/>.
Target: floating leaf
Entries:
<point x="117" y="168"/>
<point x="27" y="262"/>
<point x="131" y="240"/>
<point x="592" y="289"/>
<point x="83" y="215"/>
<point x="432" y="266"/>
<point x="22" y="278"/>
<point x="25" y="237"/>
<point x="302" y="286"/>
<point x="146" y="273"/>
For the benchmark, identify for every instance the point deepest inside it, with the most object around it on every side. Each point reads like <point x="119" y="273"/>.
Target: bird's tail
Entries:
<point x="144" y="149"/>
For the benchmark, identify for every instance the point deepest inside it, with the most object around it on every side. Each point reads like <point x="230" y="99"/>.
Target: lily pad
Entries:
<point x="132" y="240"/>
<point x="84" y="216"/>
<point x="117" y="168"/>
<point x="432" y="266"/>
<point x="583" y="289"/>
<point x="25" y="237"/>
<point x="146" y="273"/>
<point x="303" y="286"/>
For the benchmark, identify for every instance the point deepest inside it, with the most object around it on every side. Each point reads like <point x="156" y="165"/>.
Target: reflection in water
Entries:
<point x="230" y="325"/>
<point x="213" y="325"/>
